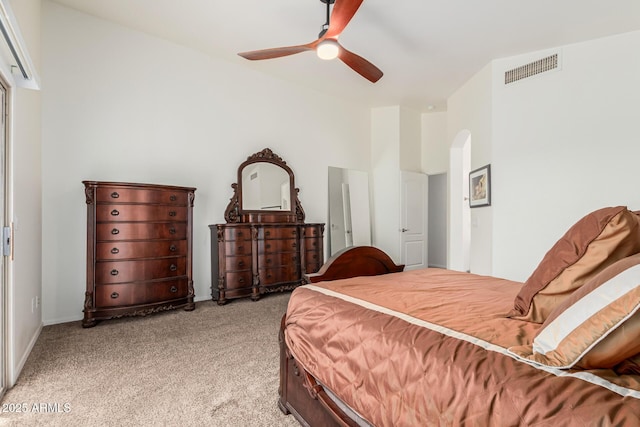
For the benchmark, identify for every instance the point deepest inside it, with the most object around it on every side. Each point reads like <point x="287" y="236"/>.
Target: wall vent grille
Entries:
<point x="531" y="69"/>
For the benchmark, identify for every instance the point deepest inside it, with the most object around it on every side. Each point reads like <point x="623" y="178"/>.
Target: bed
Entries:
<point x="365" y="343"/>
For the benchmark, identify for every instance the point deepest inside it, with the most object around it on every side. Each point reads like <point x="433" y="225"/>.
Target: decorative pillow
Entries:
<point x="593" y="243"/>
<point x="619" y="345"/>
<point x="630" y="366"/>
<point x="596" y="327"/>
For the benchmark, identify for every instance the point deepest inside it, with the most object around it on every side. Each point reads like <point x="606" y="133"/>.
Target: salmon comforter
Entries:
<point x="429" y="347"/>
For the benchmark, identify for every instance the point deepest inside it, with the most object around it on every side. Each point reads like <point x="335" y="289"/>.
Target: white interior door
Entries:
<point x="414" y="217"/>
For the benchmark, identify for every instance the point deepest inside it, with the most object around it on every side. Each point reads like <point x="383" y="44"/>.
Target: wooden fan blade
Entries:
<point x="343" y="11"/>
<point x="360" y="65"/>
<point x="277" y="52"/>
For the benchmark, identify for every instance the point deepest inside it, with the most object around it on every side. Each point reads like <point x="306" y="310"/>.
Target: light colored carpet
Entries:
<point x="214" y="366"/>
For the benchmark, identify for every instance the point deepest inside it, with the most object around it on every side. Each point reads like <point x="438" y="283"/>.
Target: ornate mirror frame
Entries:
<point x="235" y="213"/>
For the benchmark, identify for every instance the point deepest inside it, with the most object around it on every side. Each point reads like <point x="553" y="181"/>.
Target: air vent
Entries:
<point x="531" y="69"/>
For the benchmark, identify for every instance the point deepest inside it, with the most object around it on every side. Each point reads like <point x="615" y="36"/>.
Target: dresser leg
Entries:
<point x="89" y="323"/>
<point x="190" y="307"/>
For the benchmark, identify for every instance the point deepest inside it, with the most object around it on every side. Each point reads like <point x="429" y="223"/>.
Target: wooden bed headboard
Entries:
<point x="355" y="261"/>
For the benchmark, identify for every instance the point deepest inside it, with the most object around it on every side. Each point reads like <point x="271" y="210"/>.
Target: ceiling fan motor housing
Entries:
<point x="325" y="27"/>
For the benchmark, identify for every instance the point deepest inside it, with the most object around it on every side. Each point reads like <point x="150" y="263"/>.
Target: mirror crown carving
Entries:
<point x="288" y="210"/>
<point x="266" y="154"/>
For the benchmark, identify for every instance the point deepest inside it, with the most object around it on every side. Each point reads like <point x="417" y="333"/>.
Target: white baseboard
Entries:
<point x="17" y="369"/>
<point x="49" y="322"/>
<point x="438" y="266"/>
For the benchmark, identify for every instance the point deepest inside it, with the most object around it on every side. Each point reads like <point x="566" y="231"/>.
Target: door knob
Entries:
<point x="404" y="229"/>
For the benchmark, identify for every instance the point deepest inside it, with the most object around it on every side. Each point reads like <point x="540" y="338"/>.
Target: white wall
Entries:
<point x="435" y="143"/>
<point x="435" y="163"/>
<point x="561" y="144"/>
<point x="395" y="146"/>
<point x="470" y="109"/>
<point x="410" y="140"/>
<point x="119" y="105"/>
<point x="385" y="177"/>
<point x="564" y="144"/>
<point x="24" y="200"/>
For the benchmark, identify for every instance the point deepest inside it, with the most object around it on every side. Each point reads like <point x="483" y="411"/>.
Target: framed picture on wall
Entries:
<point x="480" y="187"/>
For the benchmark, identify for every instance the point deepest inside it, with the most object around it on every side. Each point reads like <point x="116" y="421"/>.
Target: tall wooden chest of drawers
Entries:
<point x="251" y="259"/>
<point x="139" y="249"/>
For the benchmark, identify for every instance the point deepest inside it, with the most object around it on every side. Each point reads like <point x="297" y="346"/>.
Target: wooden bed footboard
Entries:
<point x="300" y="394"/>
<point x="302" y="397"/>
<point x="355" y="261"/>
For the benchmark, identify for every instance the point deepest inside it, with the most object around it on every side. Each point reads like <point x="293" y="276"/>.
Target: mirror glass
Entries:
<point x="265" y="186"/>
<point x="349" y="217"/>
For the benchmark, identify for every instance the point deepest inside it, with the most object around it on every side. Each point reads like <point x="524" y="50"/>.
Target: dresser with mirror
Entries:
<point x="265" y="245"/>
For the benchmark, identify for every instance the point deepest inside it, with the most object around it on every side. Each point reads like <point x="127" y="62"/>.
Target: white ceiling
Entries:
<point x="426" y="48"/>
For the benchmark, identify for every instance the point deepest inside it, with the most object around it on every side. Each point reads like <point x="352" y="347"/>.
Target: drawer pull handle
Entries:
<point x="114" y="272"/>
<point x="115" y="195"/>
<point x="293" y="232"/>
<point x="172" y="213"/>
<point x="294" y="244"/>
<point x="172" y="248"/>
<point x="173" y="267"/>
<point x="115" y="295"/>
<point x="115" y="250"/>
<point x="240" y="248"/>
<point x="172" y="230"/>
<point x="173" y="289"/>
<point x="115" y="231"/>
<point x="267" y="233"/>
<point x="241" y="280"/>
<point x="240" y="234"/>
<point x="268" y="246"/>
<point x="173" y="198"/>
<point x="240" y="263"/>
<point x="115" y="212"/>
<point x="269" y="261"/>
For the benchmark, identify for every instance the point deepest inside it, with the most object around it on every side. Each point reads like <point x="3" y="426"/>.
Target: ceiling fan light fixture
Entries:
<point x="328" y="49"/>
<point x="326" y="45"/>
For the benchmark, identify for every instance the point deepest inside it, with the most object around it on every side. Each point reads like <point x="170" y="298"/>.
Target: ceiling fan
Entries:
<point x="327" y="45"/>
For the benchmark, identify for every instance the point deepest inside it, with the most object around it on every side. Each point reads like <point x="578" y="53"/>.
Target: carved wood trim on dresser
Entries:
<point x="139" y="249"/>
<point x="263" y="250"/>
<point x="249" y="260"/>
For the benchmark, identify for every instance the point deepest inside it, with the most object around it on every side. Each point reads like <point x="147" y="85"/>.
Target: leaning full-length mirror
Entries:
<point x="349" y="215"/>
